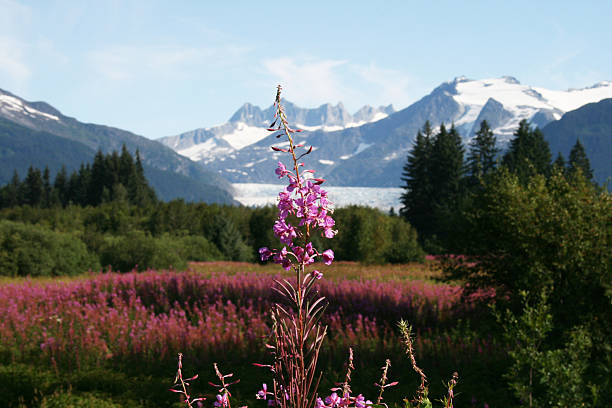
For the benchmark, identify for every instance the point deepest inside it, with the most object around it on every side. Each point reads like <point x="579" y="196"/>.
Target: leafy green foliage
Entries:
<point x="367" y="235"/>
<point x="550" y="235"/>
<point x="542" y="376"/>
<point x="138" y="250"/>
<point x="30" y="250"/>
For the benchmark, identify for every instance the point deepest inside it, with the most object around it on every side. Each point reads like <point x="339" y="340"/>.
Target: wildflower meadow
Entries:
<point x="289" y="337"/>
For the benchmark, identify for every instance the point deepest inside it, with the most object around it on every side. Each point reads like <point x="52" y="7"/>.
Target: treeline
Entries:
<point x="40" y="241"/>
<point x="442" y="181"/>
<point x="111" y="177"/>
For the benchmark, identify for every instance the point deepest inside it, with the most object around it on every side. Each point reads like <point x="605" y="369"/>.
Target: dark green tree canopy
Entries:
<point x="109" y="178"/>
<point x="481" y="159"/>
<point x="529" y="153"/>
<point x="578" y="161"/>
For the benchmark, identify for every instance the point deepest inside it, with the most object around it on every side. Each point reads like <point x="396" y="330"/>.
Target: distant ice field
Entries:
<point x="255" y="194"/>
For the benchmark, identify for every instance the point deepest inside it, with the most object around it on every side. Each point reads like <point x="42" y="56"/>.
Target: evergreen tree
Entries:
<point x="483" y="151"/>
<point x="139" y="191"/>
<point x="78" y="186"/>
<point x="529" y="153"/>
<point x="417" y="206"/>
<point x="46" y="196"/>
<point x="447" y="170"/>
<point x="127" y="168"/>
<point x="98" y="179"/>
<point x="446" y="166"/>
<point x="60" y="187"/>
<point x="33" y="187"/>
<point x="11" y="193"/>
<point x="578" y="160"/>
<point x="559" y="163"/>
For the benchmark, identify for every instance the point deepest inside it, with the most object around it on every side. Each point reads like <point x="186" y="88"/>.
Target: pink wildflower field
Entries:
<point x="153" y="315"/>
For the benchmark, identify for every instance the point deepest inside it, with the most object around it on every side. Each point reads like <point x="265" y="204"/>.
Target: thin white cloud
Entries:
<point x="391" y="85"/>
<point x="311" y="82"/>
<point x="14" y="17"/>
<point x="12" y="61"/>
<point x="123" y="62"/>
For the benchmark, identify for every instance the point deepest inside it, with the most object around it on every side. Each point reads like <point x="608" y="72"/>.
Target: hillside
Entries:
<point x="35" y="133"/>
<point x="592" y="124"/>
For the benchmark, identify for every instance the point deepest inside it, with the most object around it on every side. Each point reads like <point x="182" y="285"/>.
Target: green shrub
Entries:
<point x="197" y="248"/>
<point x="33" y="250"/>
<point x="404" y="246"/>
<point x="139" y="250"/>
<point x="369" y="236"/>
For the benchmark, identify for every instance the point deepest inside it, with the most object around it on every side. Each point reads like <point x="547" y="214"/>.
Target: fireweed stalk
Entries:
<point x="297" y="334"/>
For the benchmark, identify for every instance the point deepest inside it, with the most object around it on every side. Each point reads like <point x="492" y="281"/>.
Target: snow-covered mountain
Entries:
<point x="504" y="102"/>
<point x="359" y="150"/>
<point x="248" y="126"/>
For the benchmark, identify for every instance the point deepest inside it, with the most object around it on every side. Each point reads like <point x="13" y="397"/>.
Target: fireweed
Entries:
<point x="297" y="333"/>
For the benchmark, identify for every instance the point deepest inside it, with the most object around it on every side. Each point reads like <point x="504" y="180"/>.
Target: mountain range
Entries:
<point x="245" y="128"/>
<point x="366" y="148"/>
<point x="36" y="134"/>
<point x="375" y="139"/>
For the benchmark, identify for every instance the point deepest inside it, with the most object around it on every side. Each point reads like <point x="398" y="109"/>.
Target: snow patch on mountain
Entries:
<point x="245" y="135"/>
<point x="520" y="101"/>
<point x="10" y="104"/>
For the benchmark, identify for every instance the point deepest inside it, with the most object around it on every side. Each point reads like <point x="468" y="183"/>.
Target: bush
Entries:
<point x="367" y="235"/>
<point x="138" y="250"/>
<point x="404" y="246"/>
<point x="33" y="250"/>
<point x="197" y="248"/>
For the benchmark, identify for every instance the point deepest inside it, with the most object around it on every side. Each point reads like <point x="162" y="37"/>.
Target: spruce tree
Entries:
<point x="60" y="187"/>
<point x="98" y="180"/>
<point x="33" y="184"/>
<point x="529" y="153"/>
<point x="481" y="159"/>
<point x="578" y="160"/>
<point x="559" y="163"/>
<point x="416" y="200"/>
<point x="47" y="189"/>
<point x="12" y="192"/>
<point x="447" y="170"/>
<point x="446" y="166"/>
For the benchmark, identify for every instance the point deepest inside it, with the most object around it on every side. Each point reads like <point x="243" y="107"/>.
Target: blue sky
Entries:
<point x="162" y="68"/>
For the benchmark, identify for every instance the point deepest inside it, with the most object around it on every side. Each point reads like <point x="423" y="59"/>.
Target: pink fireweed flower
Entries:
<point x="281" y="170"/>
<point x="316" y="274"/>
<point x="360" y="402"/>
<point x="261" y="394"/>
<point x="328" y="256"/>
<point x="284" y="232"/>
<point x="333" y="400"/>
<point x="265" y="253"/>
<point x="222" y="400"/>
<point x="319" y="403"/>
